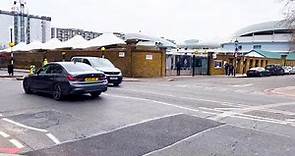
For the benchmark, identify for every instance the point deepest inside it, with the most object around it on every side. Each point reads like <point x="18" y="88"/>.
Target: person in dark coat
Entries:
<point x="226" y="67"/>
<point x="10" y="68"/>
<point x="231" y="70"/>
<point x="178" y="67"/>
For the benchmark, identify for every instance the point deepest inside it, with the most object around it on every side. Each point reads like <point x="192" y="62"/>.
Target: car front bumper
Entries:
<point x="114" y="79"/>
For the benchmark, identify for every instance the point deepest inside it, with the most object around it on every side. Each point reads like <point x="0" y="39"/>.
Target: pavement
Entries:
<point x="189" y="116"/>
<point x="287" y="91"/>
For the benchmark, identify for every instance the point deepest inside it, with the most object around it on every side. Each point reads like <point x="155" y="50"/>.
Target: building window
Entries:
<point x="257" y="47"/>
<point x="218" y="64"/>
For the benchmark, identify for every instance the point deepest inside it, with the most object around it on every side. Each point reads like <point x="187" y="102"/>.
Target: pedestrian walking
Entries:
<point x="178" y="67"/>
<point x="231" y="70"/>
<point x="10" y="68"/>
<point x="226" y="68"/>
<point x="45" y="61"/>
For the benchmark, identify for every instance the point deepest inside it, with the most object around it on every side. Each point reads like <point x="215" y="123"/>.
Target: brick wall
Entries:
<point x="244" y="63"/>
<point x="133" y="64"/>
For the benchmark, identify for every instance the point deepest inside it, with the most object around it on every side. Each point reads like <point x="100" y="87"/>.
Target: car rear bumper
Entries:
<point x="81" y="89"/>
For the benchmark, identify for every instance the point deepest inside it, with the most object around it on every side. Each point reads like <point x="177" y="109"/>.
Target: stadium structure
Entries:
<point x="274" y="36"/>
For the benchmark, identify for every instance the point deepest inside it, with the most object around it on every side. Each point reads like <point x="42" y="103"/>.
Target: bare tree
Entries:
<point x="289" y="10"/>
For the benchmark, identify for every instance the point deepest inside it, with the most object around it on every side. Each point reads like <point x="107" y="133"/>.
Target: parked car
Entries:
<point x="258" y="72"/>
<point x="289" y="70"/>
<point x="66" y="78"/>
<point x="113" y="74"/>
<point x="275" y="69"/>
<point x="292" y="71"/>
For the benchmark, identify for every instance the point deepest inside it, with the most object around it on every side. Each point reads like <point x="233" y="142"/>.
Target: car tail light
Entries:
<point x="71" y="78"/>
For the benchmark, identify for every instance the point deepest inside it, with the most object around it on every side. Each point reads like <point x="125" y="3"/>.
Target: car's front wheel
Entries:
<point x="26" y="87"/>
<point x="57" y="92"/>
<point x="95" y="94"/>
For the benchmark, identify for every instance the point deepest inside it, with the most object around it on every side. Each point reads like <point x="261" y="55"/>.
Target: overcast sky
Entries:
<point x="175" y="19"/>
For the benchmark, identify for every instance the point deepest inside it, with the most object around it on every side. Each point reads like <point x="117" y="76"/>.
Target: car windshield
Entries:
<point x="99" y="62"/>
<point x="78" y="67"/>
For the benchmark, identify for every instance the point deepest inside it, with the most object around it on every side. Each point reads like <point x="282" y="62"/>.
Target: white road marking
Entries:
<point x="195" y="99"/>
<point x="4" y="135"/>
<point x="186" y="139"/>
<point x="238" y="113"/>
<point x="243" y="85"/>
<point x="16" y="143"/>
<point x="24" y="126"/>
<point x="1" y="115"/>
<point x="262" y="120"/>
<point x="224" y="109"/>
<point x="210" y="109"/>
<point x="249" y="109"/>
<point x="53" y="138"/>
<point x="159" y="102"/>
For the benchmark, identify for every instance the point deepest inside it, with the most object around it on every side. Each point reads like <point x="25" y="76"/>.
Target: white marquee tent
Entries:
<point x="76" y="42"/>
<point x="20" y="46"/>
<point x="33" y="45"/>
<point x="105" y="39"/>
<point x="53" y="43"/>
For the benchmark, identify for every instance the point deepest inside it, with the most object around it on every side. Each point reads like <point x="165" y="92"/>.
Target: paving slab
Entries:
<point x="231" y="141"/>
<point x="135" y="140"/>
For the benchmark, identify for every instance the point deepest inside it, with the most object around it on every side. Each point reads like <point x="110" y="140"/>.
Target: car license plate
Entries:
<point x="91" y="79"/>
<point x="113" y="78"/>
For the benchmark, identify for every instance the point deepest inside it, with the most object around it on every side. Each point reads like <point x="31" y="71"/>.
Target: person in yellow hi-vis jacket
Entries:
<point x="32" y="69"/>
<point x="45" y="62"/>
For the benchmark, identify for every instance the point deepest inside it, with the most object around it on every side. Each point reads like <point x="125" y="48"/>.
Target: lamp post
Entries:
<point x="236" y="55"/>
<point x="103" y="49"/>
<point x="11" y="45"/>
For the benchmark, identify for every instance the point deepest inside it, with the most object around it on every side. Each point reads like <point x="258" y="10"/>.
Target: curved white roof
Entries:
<point x="141" y="37"/>
<point x="104" y="40"/>
<point x="20" y="46"/>
<point x="76" y="42"/>
<point x="33" y="45"/>
<point x="52" y="44"/>
<point x="266" y="26"/>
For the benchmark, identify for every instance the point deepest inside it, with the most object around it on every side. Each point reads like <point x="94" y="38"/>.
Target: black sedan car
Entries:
<point x="66" y="78"/>
<point x="275" y="69"/>
<point x="257" y="72"/>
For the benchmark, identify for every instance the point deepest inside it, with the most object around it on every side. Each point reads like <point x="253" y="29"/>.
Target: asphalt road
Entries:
<point x="188" y="116"/>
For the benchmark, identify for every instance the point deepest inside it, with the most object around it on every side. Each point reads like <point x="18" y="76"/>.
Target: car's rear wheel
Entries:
<point x="26" y="87"/>
<point x="95" y="94"/>
<point x="57" y="92"/>
<point x="116" y="84"/>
